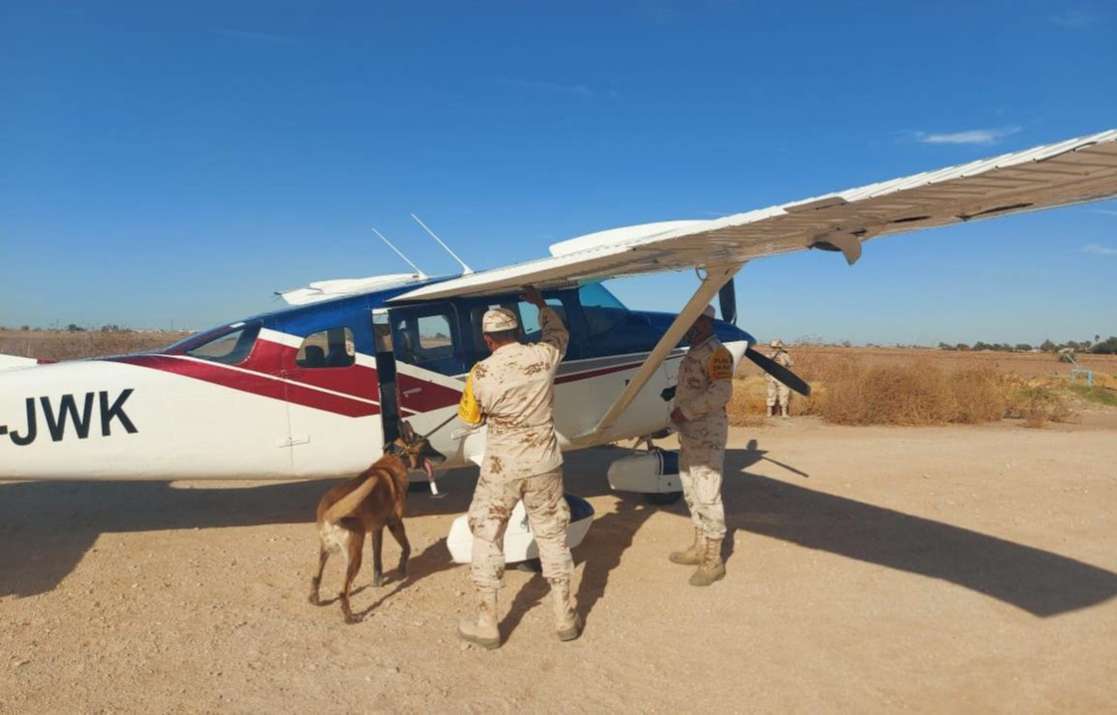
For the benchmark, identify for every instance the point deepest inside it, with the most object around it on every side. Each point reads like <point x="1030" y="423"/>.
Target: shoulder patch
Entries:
<point x="469" y="409"/>
<point x="720" y="365"/>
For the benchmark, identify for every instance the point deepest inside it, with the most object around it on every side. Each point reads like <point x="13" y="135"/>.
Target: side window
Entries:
<point x="334" y="347"/>
<point x="427" y="339"/>
<point x="229" y="348"/>
<point x="434" y="333"/>
<point x="529" y="319"/>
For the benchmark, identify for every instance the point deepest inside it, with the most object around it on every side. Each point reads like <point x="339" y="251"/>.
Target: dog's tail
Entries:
<point x="348" y="504"/>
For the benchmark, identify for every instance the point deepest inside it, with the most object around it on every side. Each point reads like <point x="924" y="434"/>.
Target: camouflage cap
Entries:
<point x="777" y="343"/>
<point x="498" y="320"/>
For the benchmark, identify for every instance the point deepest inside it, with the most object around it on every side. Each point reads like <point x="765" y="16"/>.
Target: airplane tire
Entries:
<point x="530" y="566"/>
<point x="664" y="498"/>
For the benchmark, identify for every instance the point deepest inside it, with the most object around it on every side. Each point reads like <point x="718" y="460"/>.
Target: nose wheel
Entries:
<point x="663" y="498"/>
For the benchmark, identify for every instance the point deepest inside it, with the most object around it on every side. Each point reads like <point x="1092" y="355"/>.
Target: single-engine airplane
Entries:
<point x="316" y="390"/>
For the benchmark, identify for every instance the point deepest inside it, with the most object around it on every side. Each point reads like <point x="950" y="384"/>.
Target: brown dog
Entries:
<point x="366" y="504"/>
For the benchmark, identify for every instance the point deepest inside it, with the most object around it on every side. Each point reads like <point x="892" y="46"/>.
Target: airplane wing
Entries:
<point x="1069" y="172"/>
<point x="1073" y="171"/>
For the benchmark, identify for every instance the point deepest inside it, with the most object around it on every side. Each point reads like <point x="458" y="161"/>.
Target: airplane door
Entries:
<point x="431" y="360"/>
<point x="386" y="374"/>
<point x="333" y="398"/>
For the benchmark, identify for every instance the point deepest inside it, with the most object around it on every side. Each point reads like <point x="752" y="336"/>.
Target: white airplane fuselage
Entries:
<point x="308" y="392"/>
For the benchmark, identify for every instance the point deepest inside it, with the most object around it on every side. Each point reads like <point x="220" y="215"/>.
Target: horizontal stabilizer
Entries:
<point x="11" y="362"/>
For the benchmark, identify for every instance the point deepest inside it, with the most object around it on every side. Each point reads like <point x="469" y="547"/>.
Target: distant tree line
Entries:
<point x="72" y="328"/>
<point x="1096" y="346"/>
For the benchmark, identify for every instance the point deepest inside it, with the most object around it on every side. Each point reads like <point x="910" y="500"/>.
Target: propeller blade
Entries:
<point x="727" y="300"/>
<point x="779" y="372"/>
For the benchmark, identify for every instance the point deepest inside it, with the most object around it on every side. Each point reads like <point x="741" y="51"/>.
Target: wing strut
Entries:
<point x="716" y="277"/>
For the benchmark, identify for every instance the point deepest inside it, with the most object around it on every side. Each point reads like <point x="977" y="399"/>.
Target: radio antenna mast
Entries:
<point x="400" y="253"/>
<point x="465" y="269"/>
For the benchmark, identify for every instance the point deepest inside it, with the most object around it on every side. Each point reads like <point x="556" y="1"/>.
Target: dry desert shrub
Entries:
<point x="922" y="394"/>
<point x="66" y="345"/>
<point x="1037" y="404"/>
<point x="747" y="406"/>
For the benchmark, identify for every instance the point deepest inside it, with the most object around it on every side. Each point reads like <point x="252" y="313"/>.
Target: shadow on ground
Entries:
<point x="46" y="528"/>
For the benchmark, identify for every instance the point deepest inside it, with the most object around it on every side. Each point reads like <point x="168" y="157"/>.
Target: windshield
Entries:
<point x="229" y="345"/>
<point x="596" y="295"/>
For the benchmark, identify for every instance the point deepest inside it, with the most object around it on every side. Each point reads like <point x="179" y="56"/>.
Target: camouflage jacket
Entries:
<point x="705" y="387"/>
<point x="780" y="357"/>
<point x="513" y="392"/>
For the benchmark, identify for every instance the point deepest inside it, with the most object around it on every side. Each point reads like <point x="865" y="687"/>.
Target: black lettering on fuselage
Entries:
<point x="56" y="424"/>
<point x="108" y="414"/>
<point x="22" y="440"/>
<point x="58" y="418"/>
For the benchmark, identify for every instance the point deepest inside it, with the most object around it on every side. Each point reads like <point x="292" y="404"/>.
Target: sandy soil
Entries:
<point x="871" y="569"/>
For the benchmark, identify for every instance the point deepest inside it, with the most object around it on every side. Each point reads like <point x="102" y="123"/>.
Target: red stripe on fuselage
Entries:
<point x="573" y="377"/>
<point x="254" y="383"/>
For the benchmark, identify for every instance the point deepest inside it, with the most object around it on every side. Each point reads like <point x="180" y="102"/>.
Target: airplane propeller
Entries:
<point x="727" y="301"/>
<point x="779" y="372"/>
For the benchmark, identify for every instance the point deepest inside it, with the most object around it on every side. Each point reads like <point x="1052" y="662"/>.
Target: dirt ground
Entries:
<point x="872" y="569"/>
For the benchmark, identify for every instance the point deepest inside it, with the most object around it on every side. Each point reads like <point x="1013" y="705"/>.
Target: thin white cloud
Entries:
<point x="1074" y="19"/>
<point x="968" y="136"/>
<point x="1107" y="212"/>
<point x="1096" y="249"/>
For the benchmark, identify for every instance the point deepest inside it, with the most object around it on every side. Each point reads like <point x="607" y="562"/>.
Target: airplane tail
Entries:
<point x="11" y="362"/>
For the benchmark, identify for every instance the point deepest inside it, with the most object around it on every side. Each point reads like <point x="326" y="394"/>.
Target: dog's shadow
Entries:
<point x="434" y="559"/>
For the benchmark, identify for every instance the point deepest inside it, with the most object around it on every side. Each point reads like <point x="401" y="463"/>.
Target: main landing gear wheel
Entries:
<point x="664" y="498"/>
<point x="530" y="566"/>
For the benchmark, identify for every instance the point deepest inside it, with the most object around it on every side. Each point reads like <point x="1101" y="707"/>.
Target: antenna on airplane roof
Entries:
<point x="400" y="253"/>
<point x="466" y="269"/>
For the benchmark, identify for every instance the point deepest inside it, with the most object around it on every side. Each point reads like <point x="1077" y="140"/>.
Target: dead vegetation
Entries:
<point x="847" y="391"/>
<point x="67" y="345"/>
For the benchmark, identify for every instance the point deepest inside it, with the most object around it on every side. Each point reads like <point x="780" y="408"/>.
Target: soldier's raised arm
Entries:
<point x="555" y="335"/>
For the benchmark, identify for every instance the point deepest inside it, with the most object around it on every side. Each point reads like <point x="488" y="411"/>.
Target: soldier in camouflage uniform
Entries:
<point x="512" y="391"/>
<point x="705" y="387"/>
<point x="779" y="394"/>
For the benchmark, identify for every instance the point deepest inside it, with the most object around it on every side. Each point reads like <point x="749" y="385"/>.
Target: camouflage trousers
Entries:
<point x="778" y="394"/>
<point x="700" y="472"/>
<point x="548" y="516"/>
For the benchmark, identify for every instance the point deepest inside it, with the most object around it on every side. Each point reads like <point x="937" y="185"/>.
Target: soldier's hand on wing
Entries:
<point x="532" y="295"/>
<point x="677" y="415"/>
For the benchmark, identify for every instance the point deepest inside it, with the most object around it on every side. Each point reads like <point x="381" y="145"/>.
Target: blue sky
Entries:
<point x="176" y="163"/>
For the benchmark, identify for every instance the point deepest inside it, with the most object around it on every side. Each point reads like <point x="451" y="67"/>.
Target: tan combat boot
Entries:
<point x="482" y="631"/>
<point x="568" y="624"/>
<point x="711" y="569"/>
<point x="692" y="556"/>
<point x="784" y="410"/>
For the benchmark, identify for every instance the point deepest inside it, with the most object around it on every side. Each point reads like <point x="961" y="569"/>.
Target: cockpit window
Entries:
<point x="230" y="345"/>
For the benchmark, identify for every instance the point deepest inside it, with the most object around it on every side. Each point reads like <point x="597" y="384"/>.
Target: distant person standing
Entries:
<point x="779" y="394"/>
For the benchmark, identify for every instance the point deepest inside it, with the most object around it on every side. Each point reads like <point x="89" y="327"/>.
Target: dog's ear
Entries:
<point x="406" y="431"/>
